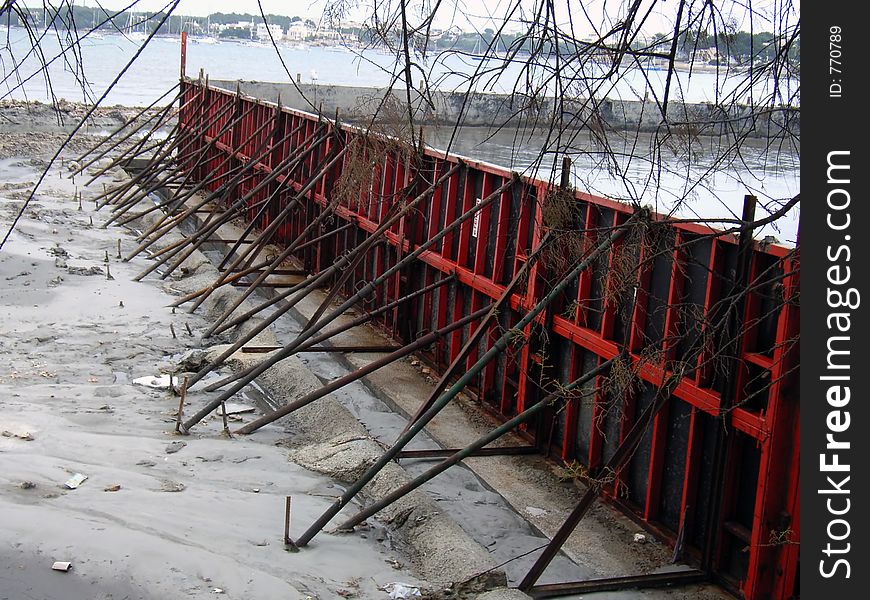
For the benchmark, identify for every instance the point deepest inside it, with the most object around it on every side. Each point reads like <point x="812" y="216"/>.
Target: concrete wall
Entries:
<point x="358" y="105"/>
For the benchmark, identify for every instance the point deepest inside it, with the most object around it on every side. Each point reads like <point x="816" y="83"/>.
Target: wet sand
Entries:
<point x="206" y="520"/>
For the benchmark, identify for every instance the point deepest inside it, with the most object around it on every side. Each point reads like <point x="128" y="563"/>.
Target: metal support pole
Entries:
<point x="623" y="452"/>
<point x="137" y="148"/>
<point x="340" y="329"/>
<point x="180" y="198"/>
<point x="219" y="195"/>
<point x="613" y="584"/>
<point x="261" y="240"/>
<point x="154" y="168"/>
<point x="735" y="319"/>
<point x="344" y="260"/>
<point x="114" y="135"/>
<point x="183" y="66"/>
<point x="197" y="239"/>
<point x="285" y="166"/>
<point x="252" y="269"/>
<point x="339" y="383"/>
<point x="371" y="286"/>
<point x="457" y="364"/>
<point x="266" y="235"/>
<point x="472" y="448"/>
<point x="466" y="378"/>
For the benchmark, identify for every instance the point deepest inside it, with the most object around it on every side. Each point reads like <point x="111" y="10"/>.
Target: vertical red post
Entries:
<point x="183" y="54"/>
<point x="775" y="540"/>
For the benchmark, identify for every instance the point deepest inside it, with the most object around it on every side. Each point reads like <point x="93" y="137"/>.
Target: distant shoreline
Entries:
<point x="679" y="66"/>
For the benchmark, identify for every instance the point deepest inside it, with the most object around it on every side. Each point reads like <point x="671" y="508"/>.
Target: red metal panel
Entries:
<point x="478" y="263"/>
<point x="660" y="423"/>
<point x="774" y="535"/>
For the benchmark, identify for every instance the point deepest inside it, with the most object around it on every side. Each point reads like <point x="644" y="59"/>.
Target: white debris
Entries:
<point x="639" y="538"/>
<point x="75" y="481"/>
<point x="160" y="382"/>
<point x="401" y="591"/>
<point x="21" y="435"/>
<point x="61" y="566"/>
<point x="235" y="409"/>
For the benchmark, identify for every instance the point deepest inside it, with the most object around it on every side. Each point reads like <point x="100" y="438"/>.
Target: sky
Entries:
<point x="467" y="14"/>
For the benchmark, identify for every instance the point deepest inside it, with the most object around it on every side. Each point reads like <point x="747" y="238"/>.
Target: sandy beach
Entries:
<point x="183" y="523"/>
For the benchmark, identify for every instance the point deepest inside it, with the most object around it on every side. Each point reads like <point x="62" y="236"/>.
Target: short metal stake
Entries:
<point x="224" y="417"/>
<point x="289" y="544"/>
<point x="180" y="414"/>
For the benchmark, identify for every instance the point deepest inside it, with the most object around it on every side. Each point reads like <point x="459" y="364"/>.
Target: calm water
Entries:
<point x="157" y="69"/>
<point x="698" y="189"/>
<point x="693" y="188"/>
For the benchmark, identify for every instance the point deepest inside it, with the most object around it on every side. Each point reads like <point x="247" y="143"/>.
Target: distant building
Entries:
<point x="298" y="32"/>
<point x="325" y="33"/>
<point x="247" y="26"/>
<point x="237" y="25"/>
<point x="705" y="55"/>
<point x="263" y="31"/>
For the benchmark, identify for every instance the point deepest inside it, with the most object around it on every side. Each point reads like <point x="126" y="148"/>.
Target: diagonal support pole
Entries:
<point x="470" y="449"/>
<point x="498" y="347"/>
<point x="339" y="383"/>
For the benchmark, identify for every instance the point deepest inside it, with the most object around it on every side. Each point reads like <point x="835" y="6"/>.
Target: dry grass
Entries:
<point x="560" y="210"/>
<point x="624" y="269"/>
<point x="621" y="379"/>
<point x="388" y="138"/>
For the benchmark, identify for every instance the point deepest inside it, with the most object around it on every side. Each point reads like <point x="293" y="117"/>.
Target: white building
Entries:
<point x="237" y="25"/>
<point x="327" y="34"/>
<point x="298" y="32"/>
<point x="263" y="31"/>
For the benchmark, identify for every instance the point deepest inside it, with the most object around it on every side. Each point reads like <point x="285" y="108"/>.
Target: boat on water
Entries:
<point x="206" y="38"/>
<point x="135" y="30"/>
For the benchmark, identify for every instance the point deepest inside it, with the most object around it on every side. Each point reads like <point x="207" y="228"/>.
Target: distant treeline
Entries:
<point x="83" y="18"/>
<point x="739" y="47"/>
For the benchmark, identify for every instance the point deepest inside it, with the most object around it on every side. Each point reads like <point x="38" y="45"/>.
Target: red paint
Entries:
<point x="508" y="388"/>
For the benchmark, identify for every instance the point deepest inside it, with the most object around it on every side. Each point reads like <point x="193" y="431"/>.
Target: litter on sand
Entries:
<point x="61" y="566"/>
<point x="235" y="409"/>
<point x="401" y="591"/>
<point x="75" y="481"/>
<point x="175" y="446"/>
<point x="160" y="382"/>
<point x="25" y="435"/>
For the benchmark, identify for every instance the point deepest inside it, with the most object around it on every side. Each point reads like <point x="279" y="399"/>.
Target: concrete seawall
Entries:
<point x="359" y="104"/>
